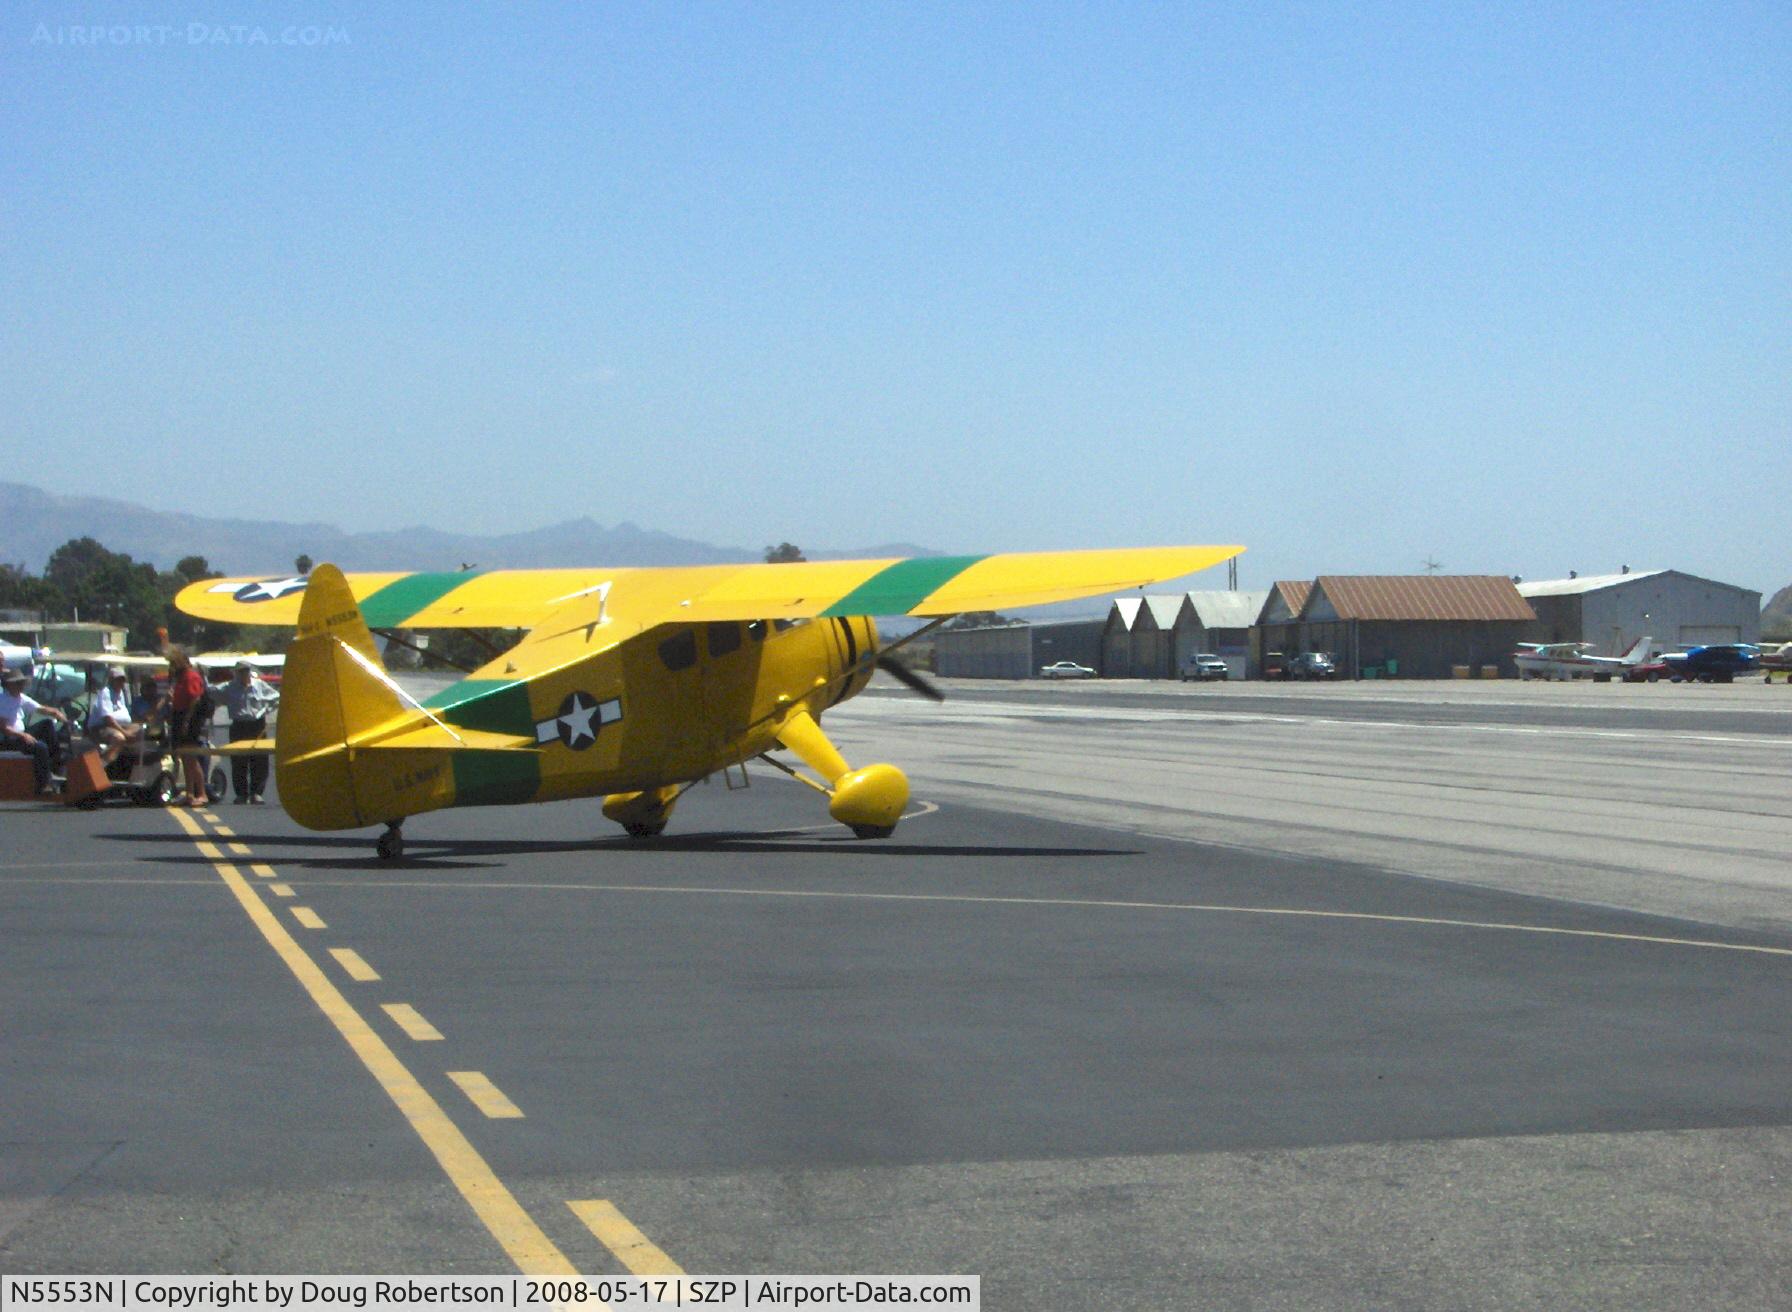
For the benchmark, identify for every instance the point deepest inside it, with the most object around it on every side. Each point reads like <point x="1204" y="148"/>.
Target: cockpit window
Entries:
<point x="679" y="652"/>
<point x="723" y="638"/>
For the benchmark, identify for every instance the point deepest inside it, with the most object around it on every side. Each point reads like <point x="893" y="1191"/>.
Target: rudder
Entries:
<point x="334" y="691"/>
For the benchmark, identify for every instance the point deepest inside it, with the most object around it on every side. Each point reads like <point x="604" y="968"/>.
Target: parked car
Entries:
<point x="1648" y="672"/>
<point x="1275" y="665"/>
<point x="1065" y="670"/>
<point x="1204" y="665"/>
<point x="1312" y="665"/>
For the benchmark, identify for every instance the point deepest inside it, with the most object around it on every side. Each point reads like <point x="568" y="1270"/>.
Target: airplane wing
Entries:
<point x="921" y="585"/>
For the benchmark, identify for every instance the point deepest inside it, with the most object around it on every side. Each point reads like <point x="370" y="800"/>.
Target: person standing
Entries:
<point x="247" y="701"/>
<point x="189" y="720"/>
<point x="17" y="709"/>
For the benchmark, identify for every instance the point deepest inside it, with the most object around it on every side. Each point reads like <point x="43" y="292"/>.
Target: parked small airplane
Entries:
<point x="1716" y="663"/>
<point x="631" y="684"/>
<point x="1573" y="660"/>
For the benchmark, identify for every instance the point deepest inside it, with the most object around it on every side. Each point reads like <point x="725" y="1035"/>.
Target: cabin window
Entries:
<point x="679" y="652"/>
<point x="782" y="625"/>
<point x="724" y="638"/>
<point x="756" y="630"/>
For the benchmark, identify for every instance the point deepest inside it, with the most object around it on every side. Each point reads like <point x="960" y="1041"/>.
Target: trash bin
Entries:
<point x="1393" y="667"/>
<point x="1371" y="671"/>
<point x="1460" y="671"/>
<point x="1490" y="671"/>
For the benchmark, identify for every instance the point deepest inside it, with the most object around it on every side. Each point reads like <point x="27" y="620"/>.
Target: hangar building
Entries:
<point x="1413" y="625"/>
<point x="1612" y="611"/>
<point x="1149" y="637"/>
<point x="1015" y="651"/>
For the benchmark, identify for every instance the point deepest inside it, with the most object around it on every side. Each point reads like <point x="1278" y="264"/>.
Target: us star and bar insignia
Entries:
<point x="580" y="717"/>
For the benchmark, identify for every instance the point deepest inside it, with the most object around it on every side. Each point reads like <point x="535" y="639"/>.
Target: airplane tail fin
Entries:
<point x="1640" y="652"/>
<point x="334" y="691"/>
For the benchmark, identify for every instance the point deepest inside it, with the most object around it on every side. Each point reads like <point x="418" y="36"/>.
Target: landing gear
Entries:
<point x="642" y="815"/>
<point x="391" y="844"/>
<point x="868" y="801"/>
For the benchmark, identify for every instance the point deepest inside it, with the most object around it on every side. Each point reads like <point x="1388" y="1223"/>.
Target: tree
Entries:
<point x="977" y="619"/>
<point x="302" y="565"/>
<point x="109" y="586"/>
<point x="784" y="553"/>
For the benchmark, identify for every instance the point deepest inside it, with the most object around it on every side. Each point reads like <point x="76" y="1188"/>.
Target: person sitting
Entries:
<point x="17" y="709"/>
<point x="109" y="719"/>
<point x="147" y="701"/>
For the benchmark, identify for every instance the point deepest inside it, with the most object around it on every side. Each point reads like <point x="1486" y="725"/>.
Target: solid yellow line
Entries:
<point x="618" y="1234"/>
<point x="486" y="1096"/>
<point x="411" y="1021"/>
<point x="358" y="970"/>
<point x="266" y="872"/>
<point x="308" y="918"/>
<point x="281" y="890"/>
<point x="532" y="1251"/>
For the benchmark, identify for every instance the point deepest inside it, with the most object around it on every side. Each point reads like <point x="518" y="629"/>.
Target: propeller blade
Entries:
<point x="908" y="678"/>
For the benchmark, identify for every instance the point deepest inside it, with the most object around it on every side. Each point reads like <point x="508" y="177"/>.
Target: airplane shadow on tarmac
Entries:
<point x="450" y="854"/>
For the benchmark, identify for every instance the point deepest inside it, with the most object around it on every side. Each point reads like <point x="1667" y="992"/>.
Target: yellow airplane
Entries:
<point x="630" y="684"/>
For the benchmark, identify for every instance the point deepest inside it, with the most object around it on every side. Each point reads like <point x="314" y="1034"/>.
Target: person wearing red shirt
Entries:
<point x="187" y="707"/>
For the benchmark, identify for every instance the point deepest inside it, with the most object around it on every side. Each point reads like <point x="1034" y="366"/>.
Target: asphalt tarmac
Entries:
<point x="1146" y="1005"/>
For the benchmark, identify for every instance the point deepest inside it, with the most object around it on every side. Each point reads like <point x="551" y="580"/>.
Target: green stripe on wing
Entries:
<point x="899" y="588"/>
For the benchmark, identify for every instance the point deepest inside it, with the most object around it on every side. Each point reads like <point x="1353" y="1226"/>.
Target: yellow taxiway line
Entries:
<point x="515" y="1230"/>
<point x="618" y="1234"/>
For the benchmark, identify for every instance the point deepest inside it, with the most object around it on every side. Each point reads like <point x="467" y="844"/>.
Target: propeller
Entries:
<point x="906" y="677"/>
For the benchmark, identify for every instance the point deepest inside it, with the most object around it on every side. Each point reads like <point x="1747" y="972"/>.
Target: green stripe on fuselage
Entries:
<point x="492" y="705"/>
<point x="402" y="598"/>
<point x="484" y="778"/>
<point x="899" y="588"/>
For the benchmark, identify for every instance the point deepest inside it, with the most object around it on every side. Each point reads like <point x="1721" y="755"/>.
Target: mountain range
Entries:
<point x="33" y="523"/>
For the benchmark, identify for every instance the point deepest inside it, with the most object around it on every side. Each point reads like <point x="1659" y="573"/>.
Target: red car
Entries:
<point x="1648" y="672"/>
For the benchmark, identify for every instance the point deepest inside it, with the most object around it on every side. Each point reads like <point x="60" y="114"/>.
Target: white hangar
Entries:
<point x="1612" y="611"/>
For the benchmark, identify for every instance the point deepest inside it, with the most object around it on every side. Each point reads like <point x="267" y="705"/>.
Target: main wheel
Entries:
<point x="873" y="831"/>
<point x="390" y="846"/>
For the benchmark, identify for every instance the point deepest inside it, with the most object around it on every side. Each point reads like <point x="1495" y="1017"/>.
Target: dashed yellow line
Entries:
<point x="618" y="1234"/>
<point x="308" y="918"/>
<point x="281" y="890"/>
<point x="515" y="1230"/>
<point x="411" y="1021"/>
<point x="224" y="831"/>
<point x="486" y="1096"/>
<point x="350" y="961"/>
<point x="264" y="871"/>
<point x="239" y="849"/>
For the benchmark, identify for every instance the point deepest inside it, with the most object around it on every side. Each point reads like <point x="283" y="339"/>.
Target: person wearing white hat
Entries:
<point x="109" y="721"/>
<point x="247" y="701"/>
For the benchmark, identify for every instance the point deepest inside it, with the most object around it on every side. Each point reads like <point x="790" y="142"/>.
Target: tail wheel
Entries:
<point x="391" y="844"/>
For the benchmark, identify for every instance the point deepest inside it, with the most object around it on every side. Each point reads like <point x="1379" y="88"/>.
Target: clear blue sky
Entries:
<point x="1355" y="285"/>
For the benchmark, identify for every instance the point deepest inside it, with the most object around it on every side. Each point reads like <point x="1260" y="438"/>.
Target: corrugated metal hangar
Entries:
<point x="1612" y="611"/>
<point x="1400" y="626"/>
